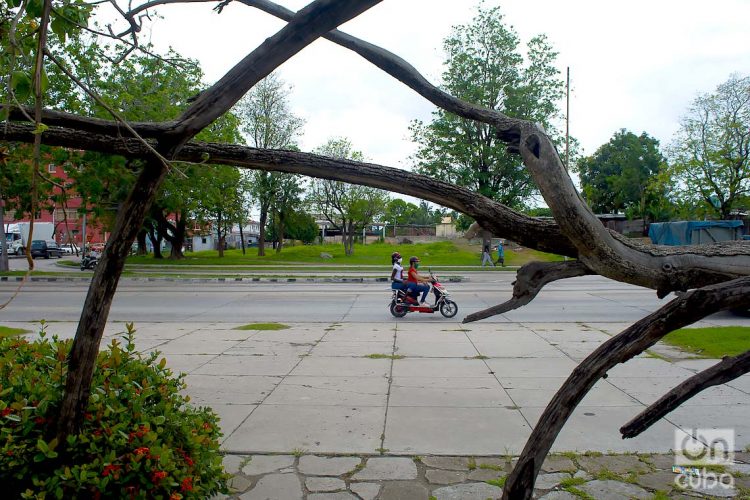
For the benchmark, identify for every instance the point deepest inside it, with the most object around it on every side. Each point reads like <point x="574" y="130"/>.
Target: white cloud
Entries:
<point x="634" y="65"/>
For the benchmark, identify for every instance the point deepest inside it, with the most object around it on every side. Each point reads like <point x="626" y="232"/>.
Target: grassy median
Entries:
<point x="713" y="342"/>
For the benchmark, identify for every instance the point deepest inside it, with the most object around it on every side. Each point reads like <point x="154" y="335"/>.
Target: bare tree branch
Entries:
<point x="682" y="311"/>
<point x="726" y="370"/>
<point x="531" y="278"/>
<point x="307" y="25"/>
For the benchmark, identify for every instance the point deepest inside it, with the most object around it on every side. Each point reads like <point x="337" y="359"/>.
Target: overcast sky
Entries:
<point x="634" y="65"/>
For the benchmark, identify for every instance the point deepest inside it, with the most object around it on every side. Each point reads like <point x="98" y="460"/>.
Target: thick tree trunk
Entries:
<point x="242" y="238"/>
<point x="280" y="232"/>
<point x="141" y="238"/>
<point x="155" y="238"/>
<point x="262" y="232"/>
<point x="85" y="348"/>
<point x="317" y="18"/>
<point x="179" y="231"/>
<point x="220" y="234"/>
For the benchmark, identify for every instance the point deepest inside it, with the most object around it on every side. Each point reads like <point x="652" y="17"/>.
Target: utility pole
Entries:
<point x="567" y="121"/>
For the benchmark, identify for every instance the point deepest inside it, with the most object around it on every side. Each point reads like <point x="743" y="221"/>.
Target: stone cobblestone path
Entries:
<point x="563" y="477"/>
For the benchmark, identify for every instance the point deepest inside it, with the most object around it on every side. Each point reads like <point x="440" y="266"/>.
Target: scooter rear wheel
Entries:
<point x="448" y="308"/>
<point x="398" y="310"/>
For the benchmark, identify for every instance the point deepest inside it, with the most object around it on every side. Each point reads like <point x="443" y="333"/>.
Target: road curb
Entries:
<point x="332" y="279"/>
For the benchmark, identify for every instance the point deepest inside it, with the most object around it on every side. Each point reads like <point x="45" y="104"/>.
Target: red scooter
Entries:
<point x="402" y="303"/>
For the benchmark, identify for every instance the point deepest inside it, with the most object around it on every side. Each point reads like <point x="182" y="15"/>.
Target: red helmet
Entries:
<point x="395" y="256"/>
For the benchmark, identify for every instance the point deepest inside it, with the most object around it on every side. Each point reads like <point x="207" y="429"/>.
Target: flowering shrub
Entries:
<point x="140" y="437"/>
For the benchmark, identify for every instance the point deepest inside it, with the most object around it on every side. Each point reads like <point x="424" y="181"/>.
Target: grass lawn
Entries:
<point x="6" y="331"/>
<point x="443" y="253"/>
<point x="714" y="342"/>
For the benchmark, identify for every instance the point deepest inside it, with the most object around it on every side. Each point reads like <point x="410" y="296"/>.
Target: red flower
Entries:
<point x="111" y="469"/>
<point x="141" y="451"/>
<point x="40" y="420"/>
<point x="157" y="476"/>
<point x="187" y="484"/>
<point x="6" y="412"/>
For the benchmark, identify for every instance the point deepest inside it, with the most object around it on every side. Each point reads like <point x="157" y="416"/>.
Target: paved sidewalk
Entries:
<point x="405" y="388"/>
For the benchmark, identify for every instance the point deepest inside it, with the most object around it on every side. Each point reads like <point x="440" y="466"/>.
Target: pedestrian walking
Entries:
<point x="486" y="257"/>
<point x="500" y="254"/>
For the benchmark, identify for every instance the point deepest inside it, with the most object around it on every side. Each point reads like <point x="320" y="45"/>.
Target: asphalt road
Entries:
<point x="586" y="299"/>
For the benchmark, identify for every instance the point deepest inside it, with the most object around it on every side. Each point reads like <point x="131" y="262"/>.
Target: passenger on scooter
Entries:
<point x="417" y="283"/>
<point x="397" y="274"/>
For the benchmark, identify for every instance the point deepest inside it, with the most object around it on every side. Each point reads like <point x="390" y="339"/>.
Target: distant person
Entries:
<point x="500" y="254"/>
<point x="417" y="283"/>
<point x="486" y="257"/>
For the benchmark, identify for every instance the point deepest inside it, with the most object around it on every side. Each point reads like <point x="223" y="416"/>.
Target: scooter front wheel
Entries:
<point x="398" y="310"/>
<point x="448" y="308"/>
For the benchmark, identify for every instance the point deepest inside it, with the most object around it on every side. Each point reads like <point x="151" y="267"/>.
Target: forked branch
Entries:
<point x="726" y="370"/>
<point x="682" y="311"/>
<point x="531" y="278"/>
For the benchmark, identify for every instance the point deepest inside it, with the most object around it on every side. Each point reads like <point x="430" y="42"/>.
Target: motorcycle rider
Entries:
<point x="397" y="275"/>
<point x="417" y="283"/>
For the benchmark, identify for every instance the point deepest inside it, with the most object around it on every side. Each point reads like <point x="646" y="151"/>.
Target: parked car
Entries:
<point x="45" y="248"/>
<point x="68" y="249"/>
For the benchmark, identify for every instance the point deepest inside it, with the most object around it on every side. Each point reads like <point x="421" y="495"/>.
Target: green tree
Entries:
<point x="287" y="198"/>
<point x="347" y="207"/>
<point x="484" y="66"/>
<point x="267" y="122"/>
<point x="710" y="155"/>
<point x="621" y="176"/>
<point x="223" y="191"/>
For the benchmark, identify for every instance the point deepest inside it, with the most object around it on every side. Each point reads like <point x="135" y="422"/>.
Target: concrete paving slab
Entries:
<point x="297" y="335"/>
<point x="648" y="367"/>
<point x="611" y="328"/>
<point x="249" y="365"/>
<point x="388" y="468"/>
<point x="316" y="429"/>
<point x="454" y="431"/>
<point x="231" y="389"/>
<point x="214" y="333"/>
<point x="729" y="416"/>
<point x="187" y="363"/>
<point x="741" y="383"/>
<point x="426" y="367"/>
<point x="696" y="365"/>
<point x="470" y="491"/>
<point x="269" y="348"/>
<point x="330" y="391"/>
<point x="360" y="332"/>
<point x="197" y="346"/>
<point x="524" y="367"/>
<point x="597" y="429"/>
<point x="538" y="391"/>
<point x="575" y="333"/>
<point x="286" y="486"/>
<point x="523" y="347"/>
<point x="416" y="348"/>
<point x="327" y="466"/>
<point x="467" y="392"/>
<point x="231" y="416"/>
<point x="578" y="351"/>
<point x="325" y="366"/>
<point x="263" y="464"/>
<point x="649" y="390"/>
<point x="351" y="348"/>
<point x="434" y="336"/>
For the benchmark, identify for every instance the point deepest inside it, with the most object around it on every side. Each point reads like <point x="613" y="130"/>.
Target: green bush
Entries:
<point x="140" y="437"/>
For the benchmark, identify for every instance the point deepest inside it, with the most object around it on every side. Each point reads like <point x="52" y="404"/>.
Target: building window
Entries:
<point x="51" y="168"/>
<point x="203" y="240"/>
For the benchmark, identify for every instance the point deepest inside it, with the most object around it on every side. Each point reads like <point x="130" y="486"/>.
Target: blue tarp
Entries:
<point x="681" y="233"/>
